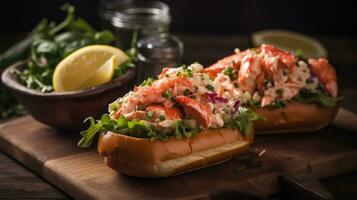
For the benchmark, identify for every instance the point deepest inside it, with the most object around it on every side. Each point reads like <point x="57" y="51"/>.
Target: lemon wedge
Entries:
<point x="86" y="67"/>
<point x="290" y="41"/>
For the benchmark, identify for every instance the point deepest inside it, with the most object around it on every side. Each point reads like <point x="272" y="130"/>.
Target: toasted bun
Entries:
<point x="144" y="158"/>
<point x="294" y="117"/>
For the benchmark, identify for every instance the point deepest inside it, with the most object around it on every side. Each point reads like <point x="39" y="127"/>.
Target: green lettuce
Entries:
<point x="244" y="121"/>
<point x="317" y="97"/>
<point x="139" y="128"/>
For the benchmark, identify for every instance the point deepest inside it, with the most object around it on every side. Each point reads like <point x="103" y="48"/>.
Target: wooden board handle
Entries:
<point x="334" y="165"/>
<point x="346" y="119"/>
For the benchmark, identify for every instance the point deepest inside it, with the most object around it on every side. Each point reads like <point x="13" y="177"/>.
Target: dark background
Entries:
<point x="336" y="17"/>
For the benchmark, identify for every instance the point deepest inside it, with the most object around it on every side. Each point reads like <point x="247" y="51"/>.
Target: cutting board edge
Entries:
<point x="19" y="154"/>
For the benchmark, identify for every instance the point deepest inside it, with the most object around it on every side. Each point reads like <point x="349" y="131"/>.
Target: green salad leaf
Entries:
<point x="47" y="44"/>
<point x="319" y="97"/>
<point x="147" y="82"/>
<point x="244" y="120"/>
<point x="134" y="128"/>
<point x="55" y="42"/>
<point x="299" y="53"/>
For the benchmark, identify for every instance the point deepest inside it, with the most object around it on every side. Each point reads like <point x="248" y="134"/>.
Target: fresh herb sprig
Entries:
<point x="244" y="120"/>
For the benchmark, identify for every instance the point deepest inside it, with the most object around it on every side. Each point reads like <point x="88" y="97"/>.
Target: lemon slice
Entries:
<point x="89" y="66"/>
<point x="290" y="41"/>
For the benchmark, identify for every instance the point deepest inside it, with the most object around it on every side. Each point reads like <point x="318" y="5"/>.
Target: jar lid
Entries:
<point x="141" y="14"/>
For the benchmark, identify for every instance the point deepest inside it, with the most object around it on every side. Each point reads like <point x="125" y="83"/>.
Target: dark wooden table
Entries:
<point x="17" y="182"/>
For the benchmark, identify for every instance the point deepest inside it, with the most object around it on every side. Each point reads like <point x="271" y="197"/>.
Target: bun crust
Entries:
<point x="294" y="117"/>
<point x="144" y="158"/>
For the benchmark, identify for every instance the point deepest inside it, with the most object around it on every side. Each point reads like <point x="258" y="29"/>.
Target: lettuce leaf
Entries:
<point x="139" y="128"/>
<point x="318" y="97"/>
<point x="135" y="128"/>
<point x="244" y="121"/>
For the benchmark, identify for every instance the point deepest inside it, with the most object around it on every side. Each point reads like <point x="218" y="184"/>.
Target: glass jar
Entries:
<point x="156" y="52"/>
<point x="106" y="11"/>
<point x="144" y="17"/>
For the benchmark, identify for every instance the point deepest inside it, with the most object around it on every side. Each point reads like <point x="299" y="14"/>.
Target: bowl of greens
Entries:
<point x="30" y="79"/>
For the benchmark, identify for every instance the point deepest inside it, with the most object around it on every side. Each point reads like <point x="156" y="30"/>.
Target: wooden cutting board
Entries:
<point x="82" y="174"/>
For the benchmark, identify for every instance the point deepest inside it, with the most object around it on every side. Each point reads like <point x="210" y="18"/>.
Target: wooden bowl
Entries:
<point x="67" y="110"/>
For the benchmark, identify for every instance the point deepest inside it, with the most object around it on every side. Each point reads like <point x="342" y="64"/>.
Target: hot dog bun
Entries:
<point x="144" y="158"/>
<point x="294" y="117"/>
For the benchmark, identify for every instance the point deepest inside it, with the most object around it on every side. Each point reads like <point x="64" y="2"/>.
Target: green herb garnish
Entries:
<point x="149" y="114"/>
<point x="246" y="119"/>
<point x="162" y="117"/>
<point x="299" y="53"/>
<point x="188" y="72"/>
<point x="279" y="104"/>
<point x="319" y="97"/>
<point x="210" y="87"/>
<point x="229" y="71"/>
<point x="186" y="92"/>
<point x="147" y="82"/>
<point x="167" y="94"/>
<point x="181" y="130"/>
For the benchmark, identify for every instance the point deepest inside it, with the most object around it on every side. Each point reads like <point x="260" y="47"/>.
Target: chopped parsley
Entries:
<point x="209" y="87"/>
<point x="299" y="53"/>
<point x="279" y="104"/>
<point x="149" y="114"/>
<point x="162" y="117"/>
<point x="186" y="92"/>
<point x="147" y="82"/>
<point x="167" y="94"/>
<point x="188" y="72"/>
<point x="196" y="88"/>
<point x="181" y="130"/>
<point x="229" y="71"/>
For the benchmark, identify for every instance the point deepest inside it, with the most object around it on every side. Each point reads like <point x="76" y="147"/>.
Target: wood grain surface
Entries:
<point x="82" y="174"/>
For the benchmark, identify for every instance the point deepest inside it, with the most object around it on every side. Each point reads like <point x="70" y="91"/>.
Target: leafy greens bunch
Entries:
<point x="53" y="42"/>
<point x="47" y="44"/>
